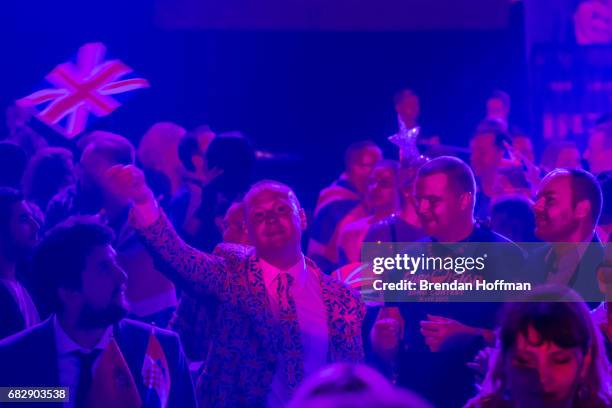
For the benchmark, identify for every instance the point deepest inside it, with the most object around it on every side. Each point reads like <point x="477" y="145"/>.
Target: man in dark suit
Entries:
<point x="567" y="208"/>
<point x="86" y="345"/>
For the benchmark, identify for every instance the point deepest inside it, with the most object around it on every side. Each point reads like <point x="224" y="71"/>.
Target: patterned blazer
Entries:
<point x="244" y="349"/>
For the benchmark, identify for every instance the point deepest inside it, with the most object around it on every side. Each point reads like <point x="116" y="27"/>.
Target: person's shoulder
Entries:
<point x="26" y="339"/>
<point x="141" y="328"/>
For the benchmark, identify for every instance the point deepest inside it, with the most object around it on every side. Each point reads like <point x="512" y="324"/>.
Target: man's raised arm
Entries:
<point x="193" y="270"/>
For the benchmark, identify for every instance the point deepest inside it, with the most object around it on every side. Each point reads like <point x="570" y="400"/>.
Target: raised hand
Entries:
<point x="128" y="182"/>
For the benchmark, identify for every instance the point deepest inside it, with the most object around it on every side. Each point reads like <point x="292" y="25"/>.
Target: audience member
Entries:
<point x="341" y="203"/>
<point x="49" y="171"/>
<point x="152" y="297"/>
<point x="513" y="217"/>
<point x="567" y="209"/>
<point x="498" y="109"/>
<point x="230" y="161"/>
<point x="599" y="148"/>
<point x="18" y="236"/>
<point x="560" y="155"/>
<point x="158" y="152"/>
<point x="550" y="354"/>
<point x="408" y="108"/>
<point x="439" y="337"/>
<point x="382" y="200"/>
<point x="281" y="318"/>
<point x="403" y="226"/>
<point x="86" y="344"/>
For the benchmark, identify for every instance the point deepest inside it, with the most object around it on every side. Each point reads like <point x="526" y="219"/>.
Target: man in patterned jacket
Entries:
<point x="280" y="318"/>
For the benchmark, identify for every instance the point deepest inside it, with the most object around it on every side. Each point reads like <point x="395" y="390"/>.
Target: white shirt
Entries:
<point x="68" y="363"/>
<point x="312" y="319"/>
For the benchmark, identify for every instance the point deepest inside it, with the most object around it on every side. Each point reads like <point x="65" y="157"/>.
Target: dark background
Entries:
<point x="306" y="92"/>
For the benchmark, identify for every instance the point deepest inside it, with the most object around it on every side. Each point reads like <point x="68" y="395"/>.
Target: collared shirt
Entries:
<point x="312" y="319"/>
<point x="67" y="361"/>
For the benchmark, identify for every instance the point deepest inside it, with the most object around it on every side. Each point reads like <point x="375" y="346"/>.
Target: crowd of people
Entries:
<point x="166" y="274"/>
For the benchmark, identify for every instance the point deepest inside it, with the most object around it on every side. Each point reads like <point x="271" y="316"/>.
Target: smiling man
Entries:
<point x="567" y="208"/>
<point x="279" y="318"/>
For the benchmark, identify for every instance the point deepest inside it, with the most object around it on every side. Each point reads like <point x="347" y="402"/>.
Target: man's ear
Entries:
<point x="303" y="219"/>
<point x="465" y="200"/>
<point x="583" y="209"/>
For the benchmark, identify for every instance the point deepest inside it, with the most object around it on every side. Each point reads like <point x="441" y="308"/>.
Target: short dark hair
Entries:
<point x="584" y="187"/>
<point x="13" y="161"/>
<point x="61" y="257"/>
<point x="605" y="183"/>
<point x="515" y="215"/>
<point x="399" y="96"/>
<point x="49" y="171"/>
<point x="354" y="148"/>
<point x="8" y="198"/>
<point x="459" y="174"/>
<point x="187" y="148"/>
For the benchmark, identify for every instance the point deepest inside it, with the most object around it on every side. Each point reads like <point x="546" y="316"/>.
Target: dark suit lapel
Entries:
<point x="133" y="347"/>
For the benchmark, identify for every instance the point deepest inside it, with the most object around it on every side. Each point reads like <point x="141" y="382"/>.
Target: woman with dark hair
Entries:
<point x="549" y="354"/>
<point x="48" y="172"/>
<point x="232" y="157"/>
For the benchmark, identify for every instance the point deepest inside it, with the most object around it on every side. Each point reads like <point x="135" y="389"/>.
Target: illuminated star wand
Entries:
<point x="406" y="140"/>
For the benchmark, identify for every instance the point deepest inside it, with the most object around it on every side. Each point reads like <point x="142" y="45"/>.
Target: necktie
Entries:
<point x="291" y="349"/>
<point x="86" y="362"/>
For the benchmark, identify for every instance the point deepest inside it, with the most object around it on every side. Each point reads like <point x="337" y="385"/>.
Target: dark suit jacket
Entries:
<point x="29" y="359"/>
<point x="584" y="281"/>
<point x="11" y="318"/>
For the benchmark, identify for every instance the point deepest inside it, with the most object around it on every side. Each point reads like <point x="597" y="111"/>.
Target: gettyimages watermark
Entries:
<point x="478" y="272"/>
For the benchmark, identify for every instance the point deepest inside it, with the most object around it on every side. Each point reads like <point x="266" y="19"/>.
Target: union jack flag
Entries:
<point x="81" y="88"/>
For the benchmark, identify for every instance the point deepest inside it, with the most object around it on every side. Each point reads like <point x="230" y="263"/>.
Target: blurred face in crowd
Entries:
<point x="596" y="154"/>
<point x="496" y="109"/>
<point x="439" y="206"/>
<point x="91" y="171"/>
<point x="542" y="373"/>
<point x="101" y="300"/>
<point x="485" y="156"/>
<point x="569" y="158"/>
<point x="22" y="231"/>
<point x="234" y="226"/>
<point x="557" y="218"/>
<point x="409" y="108"/>
<point x="383" y="190"/>
<point x="361" y="166"/>
<point x="275" y="221"/>
<point x="524" y="146"/>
